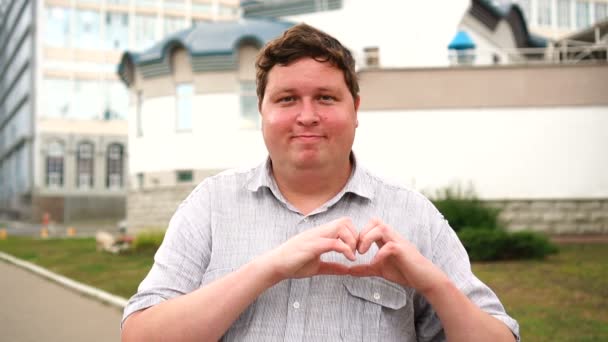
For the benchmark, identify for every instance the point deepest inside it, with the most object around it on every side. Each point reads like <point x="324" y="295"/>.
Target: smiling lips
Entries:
<point x="307" y="137"/>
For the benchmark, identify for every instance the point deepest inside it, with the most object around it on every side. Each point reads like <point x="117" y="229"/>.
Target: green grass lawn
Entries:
<point x="79" y="260"/>
<point x="563" y="298"/>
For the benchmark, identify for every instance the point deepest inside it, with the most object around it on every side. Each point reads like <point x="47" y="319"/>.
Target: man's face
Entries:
<point x="309" y="116"/>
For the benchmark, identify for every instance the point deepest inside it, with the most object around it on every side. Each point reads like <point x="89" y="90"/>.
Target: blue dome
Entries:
<point x="461" y="41"/>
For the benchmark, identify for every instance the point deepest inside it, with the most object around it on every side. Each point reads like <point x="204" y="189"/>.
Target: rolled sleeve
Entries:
<point x="450" y="255"/>
<point x="182" y="258"/>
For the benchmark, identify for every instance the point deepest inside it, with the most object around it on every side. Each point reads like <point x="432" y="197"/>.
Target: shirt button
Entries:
<point x="376" y="295"/>
<point x="296" y="305"/>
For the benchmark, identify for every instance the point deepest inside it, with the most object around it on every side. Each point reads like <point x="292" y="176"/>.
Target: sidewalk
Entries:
<point x="35" y="309"/>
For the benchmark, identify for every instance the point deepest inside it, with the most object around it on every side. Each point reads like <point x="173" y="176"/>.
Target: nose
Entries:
<point x="308" y="116"/>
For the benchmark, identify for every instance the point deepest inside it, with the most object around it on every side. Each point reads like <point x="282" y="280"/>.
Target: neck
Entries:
<point x="307" y="189"/>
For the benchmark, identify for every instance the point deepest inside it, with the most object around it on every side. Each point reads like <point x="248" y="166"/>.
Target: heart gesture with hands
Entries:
<point x="397" y="259"/>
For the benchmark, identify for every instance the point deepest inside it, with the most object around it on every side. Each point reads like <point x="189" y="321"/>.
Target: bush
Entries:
<point x="148" y="240"/>
<point x="464" y="210"/>
<point x="486" y="245"/>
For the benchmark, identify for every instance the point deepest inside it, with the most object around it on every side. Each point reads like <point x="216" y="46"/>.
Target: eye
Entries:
<point x="327" y="99"/>
<point x="286" y="99"/>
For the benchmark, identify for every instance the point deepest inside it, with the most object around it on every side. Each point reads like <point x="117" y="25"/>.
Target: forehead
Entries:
<point x="304" y="73"/>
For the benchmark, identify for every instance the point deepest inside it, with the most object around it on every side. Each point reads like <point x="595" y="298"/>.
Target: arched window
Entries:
<point x="114" y="166"/>
<point x="84" y="165"/>
<point x="54" y="165"/>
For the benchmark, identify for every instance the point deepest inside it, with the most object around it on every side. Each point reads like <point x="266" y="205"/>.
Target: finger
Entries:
<point x="332" y="268"/>
<point x="391" y="248"/>
<point x="363" y="271"/>
<point x="380" y="234"/>
<point x="370" y="225"/>
<point x="334" y="245"/>
<point x="347" y="236"/>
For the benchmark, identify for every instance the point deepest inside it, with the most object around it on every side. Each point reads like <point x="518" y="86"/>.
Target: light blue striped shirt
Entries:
<point x="232" y="217"/>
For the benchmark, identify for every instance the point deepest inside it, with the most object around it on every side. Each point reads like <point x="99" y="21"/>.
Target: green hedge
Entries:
<point x="148" y="240"/>
<point x="481" y="233"/>
<point x="463" y="209"/>
<point x="487" y="245"/>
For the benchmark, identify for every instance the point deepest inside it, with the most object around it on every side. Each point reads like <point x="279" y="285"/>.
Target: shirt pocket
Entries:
<point x="364" y="301"/>
<point x="245" y="318"/>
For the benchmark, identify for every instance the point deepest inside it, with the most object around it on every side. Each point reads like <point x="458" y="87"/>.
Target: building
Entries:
<point x="527" y="132"/>
<point x="556" y="19"/>
<point x="63" y="109"/>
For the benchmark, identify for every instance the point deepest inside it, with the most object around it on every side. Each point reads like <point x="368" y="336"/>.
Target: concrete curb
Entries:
<point x="81" y="288"/>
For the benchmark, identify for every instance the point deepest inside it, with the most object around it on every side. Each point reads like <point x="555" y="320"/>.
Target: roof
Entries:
<point x="489" y="14"/>
<point x="212" y="40"/>
<point x="461" y="41"/>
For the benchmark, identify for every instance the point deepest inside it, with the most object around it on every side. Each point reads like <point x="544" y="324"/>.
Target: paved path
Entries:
<point x="35" y="309"/>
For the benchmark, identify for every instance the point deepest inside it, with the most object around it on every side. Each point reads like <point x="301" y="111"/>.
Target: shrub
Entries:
<point x="463" y="209"/>
<point x="148" y="240"/>
<point x="486" y="245"/>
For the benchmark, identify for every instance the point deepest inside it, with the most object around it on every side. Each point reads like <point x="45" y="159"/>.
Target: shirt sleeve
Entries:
<point x="449" y="255"/>
<point x="182" y="258"/>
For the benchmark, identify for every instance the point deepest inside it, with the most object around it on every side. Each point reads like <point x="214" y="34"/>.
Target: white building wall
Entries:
<point x="512" y="153"/>
<point x="217" y="139"/>
<point x="505" y="153"/>
<point x="396" y="27"/>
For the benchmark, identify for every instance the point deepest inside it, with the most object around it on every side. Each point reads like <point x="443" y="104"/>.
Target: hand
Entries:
<point x="397" y="259"/>
<point x="300" y="256"/>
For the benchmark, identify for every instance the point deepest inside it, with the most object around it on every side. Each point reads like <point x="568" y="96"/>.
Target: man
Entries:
<point x="310" y="246"/>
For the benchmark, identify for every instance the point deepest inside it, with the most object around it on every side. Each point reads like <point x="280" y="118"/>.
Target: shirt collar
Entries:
<point x="359" y="182"/>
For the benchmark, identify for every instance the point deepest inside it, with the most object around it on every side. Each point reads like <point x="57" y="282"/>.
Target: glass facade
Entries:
<point x="87" y="32"/>
<point x="117" y="31"/>
<point x="57" y="30"/>
<point x="582" y="14"/>
<point x="145" y="31"/>
<point x="173" y="24"/>
<point x="601" y="11"/>
<point x="563" y="13"/>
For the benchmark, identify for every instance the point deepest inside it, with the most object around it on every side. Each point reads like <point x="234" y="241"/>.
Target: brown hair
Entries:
<point x="304" y="41"/>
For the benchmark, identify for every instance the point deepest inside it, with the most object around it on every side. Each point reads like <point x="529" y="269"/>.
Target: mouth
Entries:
<point x="308" y="136"/>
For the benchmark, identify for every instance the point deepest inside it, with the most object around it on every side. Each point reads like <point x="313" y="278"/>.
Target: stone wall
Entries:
<point x="153" y="208"/>
<point x="555" y="216"/>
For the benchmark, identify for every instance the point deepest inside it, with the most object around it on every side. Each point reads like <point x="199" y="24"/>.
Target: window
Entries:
<point x="582" y="14"/>
<point x="117" y="99"/>
<point x="54" y="165"/>
<point x="56" y="98"/>
<point x="601" y="11"/>
<point x="184" y="96"/>
<point x="87" y="31"/>
<point x="117" y="31"/>
<point x="146" y="3"/>
<point x="184" y="176"/>
<point x="172" y="25"/>
<point x="544" y="13"/>
<point x="140" y="96"/>
<point x="563" y="13"/>
<point x="58" y="26"/>
<point x="114" y="166"/>
<point x="201" y="7"/>
<point x="140" y="180"/>
<point x="250" y="117"/>
<point x="84" y="165"/>
<point x="145" y="31"/>
<point x="174" y="4"/>
<point x="372" y="56"/>
<point x="87" y="102"/>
